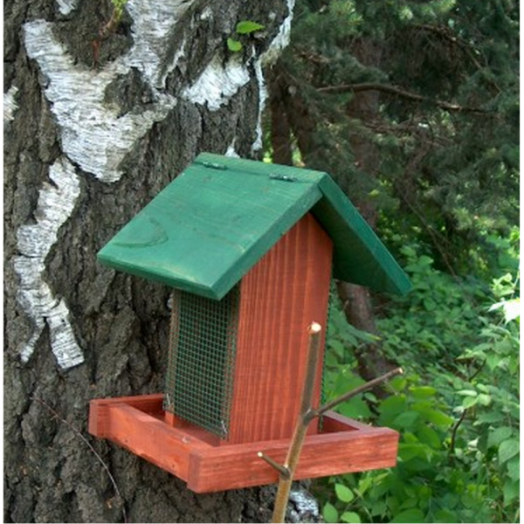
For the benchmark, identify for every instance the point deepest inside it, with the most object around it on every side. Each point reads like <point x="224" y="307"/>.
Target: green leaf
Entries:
<point x="427" y="435"/>
<point x="513" y="466"/>
<point x="406" y="420"/>
<point x="411" y="515"/>
<point x="344" y="494"/>
<point x="467" y="392"/>
<point x="444" y="515"/>
<point x="438" y="418"/>
<point x="330" y="513"/>
<point x="234" y="45"/>
<point x="410" y="451"/>
<point x="422" y="392"/>
<point x="512" y="309"/>
<point x="510" y="490"/>
<point x="350" y="516"/>
<point x="499" y="435"/>
<point x="469" y="402"/>
<point x="484" y="400"/>
<point x="507" y="449"/>
<point x="490" y="418"/>
<point x="246" y="27"/>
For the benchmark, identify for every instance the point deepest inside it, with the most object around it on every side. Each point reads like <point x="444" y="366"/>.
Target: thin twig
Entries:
<point x="306" y="415"/>
<point x="346" y="396"/>
<point x="454" y="435"/>
<point x="284" y="472"/>
<point x="394" y="90"/>
<point x="93" y="450"/>
<point x="297" y="441"/>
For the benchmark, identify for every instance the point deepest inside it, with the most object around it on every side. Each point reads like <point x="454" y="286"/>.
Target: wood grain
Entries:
<point x="236" y="466"/>
<point x="279" y="298"/>
<point x="143" y="434"/>
<point x="345" y="446"/>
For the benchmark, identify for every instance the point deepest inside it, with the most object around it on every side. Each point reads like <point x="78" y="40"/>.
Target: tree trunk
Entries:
<point x="357" y="302"/>
<point x="98" y="118"/>
<point x="280" y="132"/>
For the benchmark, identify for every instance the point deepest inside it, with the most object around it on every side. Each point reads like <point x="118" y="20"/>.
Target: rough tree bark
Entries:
<point x="94" y="128"/>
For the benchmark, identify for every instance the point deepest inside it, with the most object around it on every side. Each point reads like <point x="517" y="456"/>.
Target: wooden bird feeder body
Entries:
<point x="249" y="249"/>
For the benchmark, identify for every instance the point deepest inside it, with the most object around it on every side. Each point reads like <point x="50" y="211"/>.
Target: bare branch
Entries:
<point x="297" y="441"/>
<point x="346" y="396"/>
<point x="284" y="472"/>
<point x="393" y="90"/>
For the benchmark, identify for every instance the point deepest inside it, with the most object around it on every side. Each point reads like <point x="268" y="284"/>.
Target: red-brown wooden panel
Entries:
<point x="348" y="446"/>
<point x="143" y="434"/>
<point x="99" y="413"/>
<point x="238" y="466"/>
<point x="279" y="298"/>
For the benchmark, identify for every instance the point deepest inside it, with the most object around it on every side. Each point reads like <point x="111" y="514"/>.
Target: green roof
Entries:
<point x="214" y="222"/>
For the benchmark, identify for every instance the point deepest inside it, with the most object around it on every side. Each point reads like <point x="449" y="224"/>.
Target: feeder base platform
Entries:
<point x="207" y="464"/>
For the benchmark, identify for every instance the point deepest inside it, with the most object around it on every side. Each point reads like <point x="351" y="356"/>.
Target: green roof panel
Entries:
<point x="359" y="256"/>
<point x="209" y="226"/>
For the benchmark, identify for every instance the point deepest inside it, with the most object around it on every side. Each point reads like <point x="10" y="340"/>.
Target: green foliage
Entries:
<point x="456" y="408"/>
<point x="234" y="45"/>
<point x="452" y="169"/>
<point x="119" y="7"/>
<point x="436" y="155"/>
<point x="245" y="27"/>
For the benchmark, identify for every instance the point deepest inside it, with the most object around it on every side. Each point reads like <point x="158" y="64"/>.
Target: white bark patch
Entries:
<point x="231" y="152"/>
<point x="305" y="503"/>
<point x="55" y="205"/>
<point x="207" y="14"/>
<point x="262" y="97"/>
<point x="267" y="58"/>
<point x="281" y="40"/>
<point x="10" y="105"/>
<point x="153" y="26"/>
<point x="93" y="135"/>
<point x="218" y="83"/>
<point x="66" y="6"/>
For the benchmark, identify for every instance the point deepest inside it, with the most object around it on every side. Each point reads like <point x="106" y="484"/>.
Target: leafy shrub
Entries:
<point x="456" y="408"/>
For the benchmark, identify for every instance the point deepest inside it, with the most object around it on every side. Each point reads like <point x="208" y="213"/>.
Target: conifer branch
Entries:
<point x="393" y="90"/>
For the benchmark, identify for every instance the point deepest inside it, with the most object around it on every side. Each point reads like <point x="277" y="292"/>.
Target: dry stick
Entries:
<point x="346" y="396"/>
<point x="293" y="454"/>
<point x="93" y="450"/>
<point x="284" y="472"/>
<point x="305" y="417"/>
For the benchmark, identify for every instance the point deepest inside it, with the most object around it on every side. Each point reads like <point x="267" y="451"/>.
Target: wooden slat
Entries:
<point x="337" y="422"/>
<point x="143" y="434"/>
<point x="98" y="410"/>
<point x="286" y="291"/>
<point x="350" y="446"/>
<point x="231" y="467"/>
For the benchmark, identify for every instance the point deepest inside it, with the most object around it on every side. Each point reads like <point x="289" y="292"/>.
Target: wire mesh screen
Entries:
<point x="199" y="382"/>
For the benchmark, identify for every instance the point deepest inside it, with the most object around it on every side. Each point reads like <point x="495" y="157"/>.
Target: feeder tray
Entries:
<point x="207" y="464"/>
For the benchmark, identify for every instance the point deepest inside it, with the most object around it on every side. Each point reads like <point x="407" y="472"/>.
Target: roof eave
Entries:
<point x="359" y="255"/>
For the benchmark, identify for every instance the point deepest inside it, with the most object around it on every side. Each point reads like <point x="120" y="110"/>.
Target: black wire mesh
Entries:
<point x="200" y="372"/>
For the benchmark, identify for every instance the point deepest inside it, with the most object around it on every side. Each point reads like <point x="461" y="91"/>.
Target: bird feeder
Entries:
<point x="249" y="250"/>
